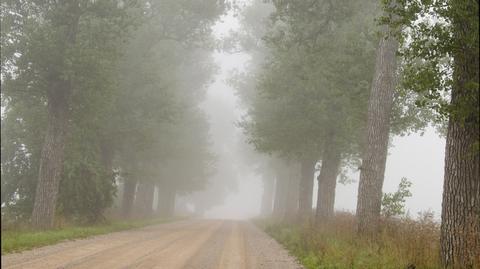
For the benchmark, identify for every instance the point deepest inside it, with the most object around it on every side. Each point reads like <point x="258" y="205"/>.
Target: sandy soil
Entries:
<point x="193" y="244"/>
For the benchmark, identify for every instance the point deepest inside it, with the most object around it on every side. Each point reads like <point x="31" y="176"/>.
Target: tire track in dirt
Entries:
<point x="233" y="254"/>
<point x="179" y="252"/>
<point x="193" y="244"/>
<point x="211" y="250"/>
<point x="69" y="254"/>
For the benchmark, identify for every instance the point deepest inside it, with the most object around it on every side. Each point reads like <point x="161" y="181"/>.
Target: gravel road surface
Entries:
<point x="192" y="244"/>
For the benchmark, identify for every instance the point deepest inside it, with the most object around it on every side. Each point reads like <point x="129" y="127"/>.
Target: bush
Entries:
<point x="85" y="193"/>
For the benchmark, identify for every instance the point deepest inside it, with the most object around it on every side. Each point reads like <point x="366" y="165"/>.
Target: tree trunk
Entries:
<point x="144" y="199"/>
<point x="460" y="228"/>
<point x="378" y="129"/>
<point x="51" y="162"/>
<point x="327" y="183"/>
<point x="291" y="210"/>
<point x="52" y="156"/>
<point x="166" y="201"/>
<point x="281" y="190"/>
<point x="171" y="203"/>
<point x="268" y="191"/>
<point x="106" y="152"/>
<point x="162" y="201"/>
<point x="306" y="187"/>
<point x="129" y="190"/>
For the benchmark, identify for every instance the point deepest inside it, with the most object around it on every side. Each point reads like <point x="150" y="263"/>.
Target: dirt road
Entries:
<point x="194" y="244"/>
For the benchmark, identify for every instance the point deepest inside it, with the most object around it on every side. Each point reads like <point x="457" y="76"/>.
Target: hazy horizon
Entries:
<point x="418" y="158"/>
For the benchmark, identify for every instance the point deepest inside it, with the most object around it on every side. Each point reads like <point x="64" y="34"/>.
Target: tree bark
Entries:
<point x="327" y="182"/>
<point x="52" y="156"/>
<point x="268" y="191"/>
<point x="129" y="190"/>
<point x="51" y="162"/>
<point x="306" y="187"/>
<point x="460" y="228"/>
<point x="378" y="129"/>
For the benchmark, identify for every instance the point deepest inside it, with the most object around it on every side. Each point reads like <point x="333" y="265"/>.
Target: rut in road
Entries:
<point x="192" y="244"/>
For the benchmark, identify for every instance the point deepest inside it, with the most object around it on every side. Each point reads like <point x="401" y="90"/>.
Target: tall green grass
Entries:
<point x="400" y="244"/>
<point x="24" y="239"/>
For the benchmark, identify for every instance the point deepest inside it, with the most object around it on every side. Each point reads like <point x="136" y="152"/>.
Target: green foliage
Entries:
<point x="21" y="138"/>
<point x="85" y="192"/>
<point x="66" y="48"/>
<point x="431" y="48"/>
<point x="393" y="204"/>
<point x="315" y="79"/>
<point x="134" y="73"/>
<point x="309" y="81"/>
<point x="156" y="126"/>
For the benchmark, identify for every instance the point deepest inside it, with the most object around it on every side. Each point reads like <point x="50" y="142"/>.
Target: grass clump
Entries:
<point x="14" y="240"/>
<point x="400" y="244"/>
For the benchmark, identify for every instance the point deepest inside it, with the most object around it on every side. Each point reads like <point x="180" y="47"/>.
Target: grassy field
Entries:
<point x="402" y="243"/>
<point x="24" y="239"/>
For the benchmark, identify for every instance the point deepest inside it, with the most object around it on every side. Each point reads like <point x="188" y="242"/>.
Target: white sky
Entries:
<point x="418" y="158"/>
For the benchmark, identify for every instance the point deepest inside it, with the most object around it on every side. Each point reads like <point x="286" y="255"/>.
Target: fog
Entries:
<point x="204" y="123"/>
<point x="418" y="156"/>
<point x="243" y="133"/>
<point x="224" y="112"/>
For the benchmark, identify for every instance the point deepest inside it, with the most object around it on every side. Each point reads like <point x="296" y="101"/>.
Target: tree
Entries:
<point x="48" y="53"/>
<point x="87" y="186"/>
<point x="162" y="76"/>
<point x="441" y="63"/>
<point x="378" y="131"/>
<point x="312" y="89"/>
<point x="22" y="129"/>
<point x="268" y="181"/>
<point x="327" y="181"/>
<point x="281" y="190"/>
<point x="114" y="106"/>
<point x="307" y="170"/>
<point x="460" y="229"/>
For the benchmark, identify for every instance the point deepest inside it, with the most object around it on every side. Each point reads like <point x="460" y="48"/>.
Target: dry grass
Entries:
<point x="401" y="243"/>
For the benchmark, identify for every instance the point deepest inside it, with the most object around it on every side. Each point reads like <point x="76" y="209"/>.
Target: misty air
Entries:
<point x="240" y="134"/>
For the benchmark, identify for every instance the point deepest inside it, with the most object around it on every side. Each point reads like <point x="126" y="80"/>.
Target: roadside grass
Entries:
<point x="21" y="239"/>
<point x="402" y="243"/>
